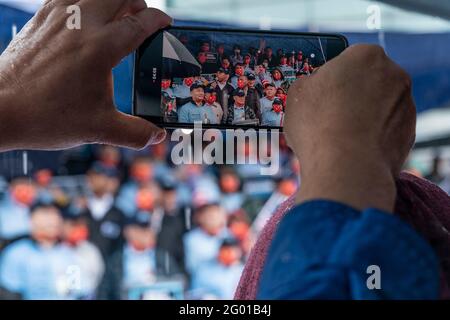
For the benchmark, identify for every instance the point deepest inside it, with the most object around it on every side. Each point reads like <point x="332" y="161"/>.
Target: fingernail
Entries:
<point x="158" y="138"/>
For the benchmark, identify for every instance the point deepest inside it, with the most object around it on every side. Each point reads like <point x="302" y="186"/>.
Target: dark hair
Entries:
<point x="45" y="205"/>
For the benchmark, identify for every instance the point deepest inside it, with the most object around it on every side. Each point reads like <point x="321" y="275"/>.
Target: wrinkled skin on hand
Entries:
<point x="56" y="87"/>
<point x="352" y="125"/>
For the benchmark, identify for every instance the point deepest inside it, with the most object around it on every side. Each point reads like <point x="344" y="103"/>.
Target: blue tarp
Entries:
<point x="425" y="56"/>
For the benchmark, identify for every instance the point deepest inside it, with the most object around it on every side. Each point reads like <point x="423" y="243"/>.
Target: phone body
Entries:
<point x="179" y="70"/>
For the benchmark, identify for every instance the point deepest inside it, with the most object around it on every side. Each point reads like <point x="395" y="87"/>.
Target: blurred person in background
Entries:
<point x="286" y="187"/>
<point x="141" y="173"/>
<point x="436" y="176"/>
<point x="39" y="267"/>
<point x="88" y="259"/>
<point x="196" y="185"/>
<point x="239" y="226"/>
<point x="104" y="220"/>
<point x="110" y="156"/>
<point x="15" y="208"/>
<point x="232" y="197"/>
<point x="47" y="191"/>
<point x="143" y="262"/>
<point x="218" y="278"/>
<point x="173" y="224"/>
<point x="202" y="243"/>
<point x="160" y="161"/>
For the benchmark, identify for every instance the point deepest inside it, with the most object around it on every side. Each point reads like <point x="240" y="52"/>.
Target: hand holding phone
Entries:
<point x="224" y="78"/>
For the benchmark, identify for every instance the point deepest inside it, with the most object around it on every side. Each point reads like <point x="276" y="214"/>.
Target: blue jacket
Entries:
<point x="327" y="250"/>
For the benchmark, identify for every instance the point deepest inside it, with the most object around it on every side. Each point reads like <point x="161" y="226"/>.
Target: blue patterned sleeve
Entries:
<point x="327" y="250"/>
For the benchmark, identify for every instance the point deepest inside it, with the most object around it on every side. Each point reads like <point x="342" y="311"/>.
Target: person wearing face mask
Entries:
<point x="219" y="278"/>
<point x="195" y="109"/>
<point x="141" y="173"/>
<point x="183" y="91"/>
<point x="236" y="57"/>
<point x="36" y="268"/>
<point x="282" y="95"/>
<point x="211" y="102"/>
<point x="223" y="90"/>
<point x="15" y="208"/>
<point x="240" y="112"/>
<point x="202" y="243"/>
<point x="166" y="86"/>
<point x="239" y="70"/>
<point x="143" y="263"/>
<point x="278" y="78"/>
<point x="230" y="186"/>
<point x="104" y="220"/>
<point x="275" y="116"/>
<point x="75" y="234"/>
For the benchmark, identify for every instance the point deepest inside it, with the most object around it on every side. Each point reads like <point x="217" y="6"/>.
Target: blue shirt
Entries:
<point x="266" y="104"/>
<point x="39" y="273"/>
<point x="191" y="112"/>
<point x="182" y="91"/>
<point x="201" y="248"/>
<point x="216" y="279"/>
<point x="272" y="118"/>
<point x="139" y="267"/>
<point x="14" y="219"/>
<point x="322" y="250"/>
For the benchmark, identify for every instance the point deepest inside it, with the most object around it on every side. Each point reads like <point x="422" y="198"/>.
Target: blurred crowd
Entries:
<point x="120" y="224"/>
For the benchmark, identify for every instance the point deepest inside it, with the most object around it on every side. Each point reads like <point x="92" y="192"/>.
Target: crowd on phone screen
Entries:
<point x="235" y="88"/>
<point x="120" y="224"/>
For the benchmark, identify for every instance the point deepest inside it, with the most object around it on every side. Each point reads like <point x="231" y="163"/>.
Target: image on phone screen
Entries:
<point x="224" y="79"/>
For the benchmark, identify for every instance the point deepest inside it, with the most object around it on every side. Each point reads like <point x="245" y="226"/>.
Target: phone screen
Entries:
<point x="224" y="78"/>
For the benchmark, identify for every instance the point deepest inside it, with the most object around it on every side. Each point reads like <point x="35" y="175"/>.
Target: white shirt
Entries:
<point x="99" y="206"/>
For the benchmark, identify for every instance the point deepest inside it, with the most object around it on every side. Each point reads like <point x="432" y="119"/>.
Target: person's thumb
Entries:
<point x="128" y="131"/>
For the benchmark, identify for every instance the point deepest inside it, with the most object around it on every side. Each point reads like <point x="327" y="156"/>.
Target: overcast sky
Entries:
<point x="317" y="15"/>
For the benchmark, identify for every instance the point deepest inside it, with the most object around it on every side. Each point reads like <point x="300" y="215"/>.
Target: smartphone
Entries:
<point x="224" y="78"/>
